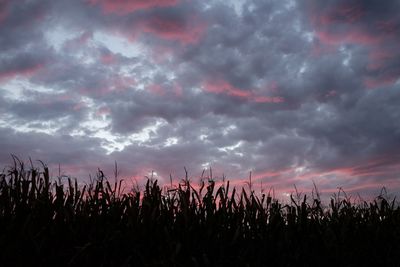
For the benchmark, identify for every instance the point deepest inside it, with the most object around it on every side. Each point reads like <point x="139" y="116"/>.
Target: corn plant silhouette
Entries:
<point x="58" y="222"/>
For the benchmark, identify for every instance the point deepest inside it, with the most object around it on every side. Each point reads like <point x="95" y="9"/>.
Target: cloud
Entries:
<point x="170" y="29"/>
<point x="54" y="149"/>
<point x="20" y="23"/>
<point x="171" y="21"/>
<point x="122" y="7"/>
<point x="223" y="87"/>
<point x="4" y="5"/>
<point x="369" y="24"/>
<point x="20" y="65"/>
<point x="279" y="88"/>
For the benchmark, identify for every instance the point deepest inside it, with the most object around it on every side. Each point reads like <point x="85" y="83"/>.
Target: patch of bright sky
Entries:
<point x="127" y="70"/>
<point x="203" y="137"/>
<point x="290" y="4"/>
<point x="112" y="142"/>
<point x="99" y="126"/>
<point x="229" y="129"/>
<point x="308" y="36"/>
<point x="57" y="36"/>
<point x="152" y="174"/>
<point x="346" y="54"/>
<point x="325" y="111"/>
<point x="14" y="91"/>
<point x="300" y="170"/>
<point x="196" y="90"/>
<point x="296" y="26"/>
<point x="47" y="127"/>
<point x="206" y="165"/>
<point x="303" y="68"/>
<point x="240" y="154"/>
<point x="14" y="88"/>
<point x="237" y="4"/>
<point x="170" y="141"/>
<point x="144" y="135"/>
<point x="93" y="123"/>
<point x="118" y="45"/>
<point x="230" y="148"/>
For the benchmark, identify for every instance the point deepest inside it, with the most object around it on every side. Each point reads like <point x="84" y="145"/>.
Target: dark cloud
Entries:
<point x="44" y="107"/>
<point x="370" y="24"/>
<point x="293" y="91"/>
<point x="80" y="156"/>
<point x="24" y="63"/>
<point x="20" y="23"/>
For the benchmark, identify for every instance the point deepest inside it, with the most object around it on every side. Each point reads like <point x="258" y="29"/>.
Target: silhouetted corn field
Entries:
<point x="59" y="223"/>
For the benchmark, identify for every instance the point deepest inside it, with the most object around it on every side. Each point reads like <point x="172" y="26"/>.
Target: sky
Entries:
<point x="294" y="92"/>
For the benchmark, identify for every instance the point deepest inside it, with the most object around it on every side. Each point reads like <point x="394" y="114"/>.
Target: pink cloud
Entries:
<point x="161" y="53"/>
<point x="272" y="87"/>
<point x="3" y="10"/>
<point x="103" y="111"/>
<point x="79" y="106"/>
<point x="108" y="59"/>
<point x="186" y="30"/>
<point x="354" y="36"/>
<point x="375" y="65"/>
<point x="386" y="80"/>
<point x="348" y="23"/>
<point x="85" y="37"/>
<point x="224" y="87"/>
<point x="174" y="91"/>
<point x="344" y="23"/>
<point x="351" y="178"/>
<point x="122" y="83"/>
<point x="381" y="163"/>
<point x="268" y="99"/>
<point x="24" y="72"/>
<point x="123" y="7"/>
<point x="172" y="30"/>
<point x="156" y="89"/>
<point x="388" y="27"/>
<point x="319" y="49"/>
<point x="178" y="90"/>
<point x="378" y="166"/>
<point x="346" y="13"/>
<point x="383" y="67"/>
<point x="378" y="57"/>
<point x="281" y="182"/>
<point x="268" y="174"/>
<point x="115" y="84"/>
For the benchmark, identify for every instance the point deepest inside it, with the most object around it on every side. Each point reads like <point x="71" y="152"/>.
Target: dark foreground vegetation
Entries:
<point x="58" y="223"/>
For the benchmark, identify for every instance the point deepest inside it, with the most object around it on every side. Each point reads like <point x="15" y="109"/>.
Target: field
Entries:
<point x="56" y="222"/>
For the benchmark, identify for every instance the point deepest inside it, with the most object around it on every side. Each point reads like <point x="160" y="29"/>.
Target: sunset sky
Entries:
<point x="294" y="91"/>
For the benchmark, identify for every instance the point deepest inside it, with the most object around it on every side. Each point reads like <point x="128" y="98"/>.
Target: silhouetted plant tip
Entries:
<point x="60" y="222"/>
